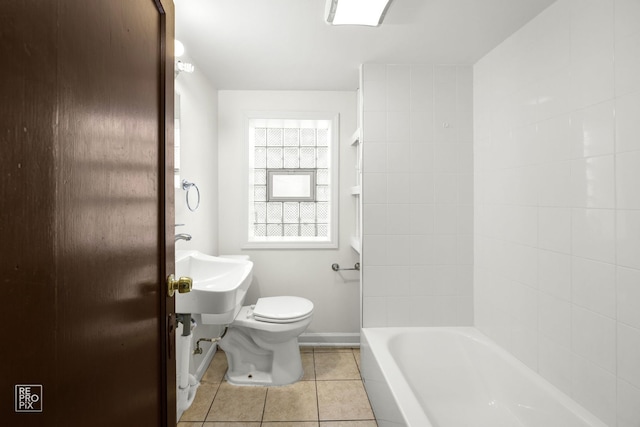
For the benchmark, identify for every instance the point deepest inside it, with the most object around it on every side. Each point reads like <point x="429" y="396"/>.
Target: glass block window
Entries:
<point x="291" y="188"/>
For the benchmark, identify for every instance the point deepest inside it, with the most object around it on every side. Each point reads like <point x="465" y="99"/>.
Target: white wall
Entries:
<point x="557" y="203"/>
<point x="199" y="160"/>
<point x="199" y="156"/>
<point x="304" y="272"/>
<point x="417" y="195"/>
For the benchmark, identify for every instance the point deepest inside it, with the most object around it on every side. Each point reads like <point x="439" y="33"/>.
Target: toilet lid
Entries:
<point x="282" y="309"/>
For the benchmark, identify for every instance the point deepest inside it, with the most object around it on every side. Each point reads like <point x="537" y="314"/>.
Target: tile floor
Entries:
<point x="330" y="394"/>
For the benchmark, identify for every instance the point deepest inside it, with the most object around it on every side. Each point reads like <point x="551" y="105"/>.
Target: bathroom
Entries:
<point x="497" y="192"/>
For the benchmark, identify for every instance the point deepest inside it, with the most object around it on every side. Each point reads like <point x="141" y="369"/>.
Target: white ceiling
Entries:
<point x="286" y="44"/>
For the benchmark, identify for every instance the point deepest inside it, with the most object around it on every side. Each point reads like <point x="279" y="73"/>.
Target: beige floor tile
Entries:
<point x="190" y="424"/>
<point x="308" y="367"/>
<point x="332" y="349"/>
<point x="336" y="366"/>
<point x="356" y="355"/>
<point x="230" y="424"/>
<point x="343" y="400"/>
<point x="201" y="404"/>
<point x="291" y="424"/>
<point x="234" y="403"/>
<point x="306" y="349"/>
<point x="369" y="423"/>
<point x="295" y="402"/>
<point x="217" y="368"/>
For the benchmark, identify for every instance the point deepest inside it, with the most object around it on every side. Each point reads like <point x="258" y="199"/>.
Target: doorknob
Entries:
<point x="182" y="285"/>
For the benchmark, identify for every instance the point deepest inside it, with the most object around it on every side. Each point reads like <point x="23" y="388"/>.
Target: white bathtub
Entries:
<point x="457" y="377"/>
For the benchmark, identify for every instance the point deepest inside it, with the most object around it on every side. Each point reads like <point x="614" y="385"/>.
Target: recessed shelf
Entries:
<point x="355" y="244"/>
<point x="355" y="138"/>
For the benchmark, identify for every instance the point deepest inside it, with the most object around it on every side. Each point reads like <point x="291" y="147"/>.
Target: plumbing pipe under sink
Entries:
<point x="187" y="383"/>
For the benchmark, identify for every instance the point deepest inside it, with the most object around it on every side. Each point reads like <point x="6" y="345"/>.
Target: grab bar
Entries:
<point x="336" y="267"/>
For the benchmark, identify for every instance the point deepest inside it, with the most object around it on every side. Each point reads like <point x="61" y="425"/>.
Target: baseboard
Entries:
<point x="330" y="339"/>
<point x="206" y="360"/>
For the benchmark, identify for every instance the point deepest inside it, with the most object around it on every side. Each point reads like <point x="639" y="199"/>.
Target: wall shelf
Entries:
<point x="356" y="190"/>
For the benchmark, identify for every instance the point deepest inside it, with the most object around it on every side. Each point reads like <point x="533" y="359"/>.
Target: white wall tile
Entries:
<point x="399" y="188"/>
<point x="422" y="126"/>
<point x="376" y="127"/>
<point x="398" y="87"/>
<point x="422" y="218"/>
<point x="398" y="219"/>
<point x="422" y="88"/>
<point x="627" y="40"/>
<point x="593" y="286"/>
<point x="554" y="229"/>
<point x="628" y="238"/>
<point x="374" y="188"/>
<point x="398" y="126"/>
<point x="423" y="250"/>
<point x="555" y="319"/>
<point x="374" y="157"/>
<point x="374" y="248"/>
<point x="422" y="188"/>
<point x="554" y="363"/>
<point x="628" y="289"/>
<point x="446" y="219"/>
<point x="422" y="158"/>
<point x="593" y="234"/>
<point x="374" y="312"/>
<point x="397" y="313"/>
<point x="375" y="218"/>
<point x="594" y="388"/>
<point x="627" y="113"/>
<point x="406" y="202"/>
<point x="592" y="131"/>
<point x="593" y="182"/>
<point x="398" y="157"/>
<point x="627" y="179"/>
<point x="554" y="274"/>
<point x="376" y="97"/>
<point x="594" y="337"/>
<point x="398" y="250"/>
<point x="446" y="188"/>
<point x="628" y="404"/>
<point x="629" y="354"/>
<point x="556" y="111"/>
<point x="378" y="283"/>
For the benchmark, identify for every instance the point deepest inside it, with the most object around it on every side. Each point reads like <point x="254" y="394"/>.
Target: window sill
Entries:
<point x="290" y="245"/>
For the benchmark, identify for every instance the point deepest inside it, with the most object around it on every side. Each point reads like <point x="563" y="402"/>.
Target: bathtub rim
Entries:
<point x="412" y="410"/>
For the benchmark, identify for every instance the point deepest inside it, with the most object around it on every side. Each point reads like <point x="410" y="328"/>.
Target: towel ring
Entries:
<point x="187" y="186"/>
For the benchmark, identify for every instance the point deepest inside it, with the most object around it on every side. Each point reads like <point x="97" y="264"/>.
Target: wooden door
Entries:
<point x="86" y="235"/>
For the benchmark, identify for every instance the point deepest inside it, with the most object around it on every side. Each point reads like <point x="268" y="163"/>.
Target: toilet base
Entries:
<point x="253" y="364"/>
<point x="256" y="378"/>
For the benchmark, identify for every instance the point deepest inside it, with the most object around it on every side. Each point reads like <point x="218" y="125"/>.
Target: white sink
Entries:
<point x="219" y="286"/>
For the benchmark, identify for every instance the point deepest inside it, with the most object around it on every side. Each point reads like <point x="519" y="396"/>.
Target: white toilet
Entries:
<point x="261" y="343"/>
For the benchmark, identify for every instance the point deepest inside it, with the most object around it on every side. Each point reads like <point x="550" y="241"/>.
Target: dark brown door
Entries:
<point x="86" y="113"/>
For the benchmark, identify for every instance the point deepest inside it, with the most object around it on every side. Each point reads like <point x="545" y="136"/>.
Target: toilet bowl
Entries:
<point x="261" y="344"/>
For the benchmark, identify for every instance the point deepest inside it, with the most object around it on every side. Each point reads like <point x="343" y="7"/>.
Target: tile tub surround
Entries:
<point x="557" y="206"/>
<point x="417" y="221"/>
<point x="330" y="394"/>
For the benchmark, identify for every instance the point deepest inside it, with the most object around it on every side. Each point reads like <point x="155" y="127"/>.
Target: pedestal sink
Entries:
<point x="219" y="285"/>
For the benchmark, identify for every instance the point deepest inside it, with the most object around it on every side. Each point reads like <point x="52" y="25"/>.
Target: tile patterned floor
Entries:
<point x="331" y="394"/>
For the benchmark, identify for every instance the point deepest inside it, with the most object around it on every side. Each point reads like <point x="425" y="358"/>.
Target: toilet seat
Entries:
<point x="283" y="309"/>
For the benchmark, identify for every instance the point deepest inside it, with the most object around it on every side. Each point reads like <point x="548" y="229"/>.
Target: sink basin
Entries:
<point x="219" y="285"/>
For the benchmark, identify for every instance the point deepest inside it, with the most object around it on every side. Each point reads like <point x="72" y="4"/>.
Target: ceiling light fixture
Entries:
<point x="356" y="12"/>
<point x="179" y="49"/>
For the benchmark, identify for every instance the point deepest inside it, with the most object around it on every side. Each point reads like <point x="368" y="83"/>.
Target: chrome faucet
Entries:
<point x="183" y="236"/>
